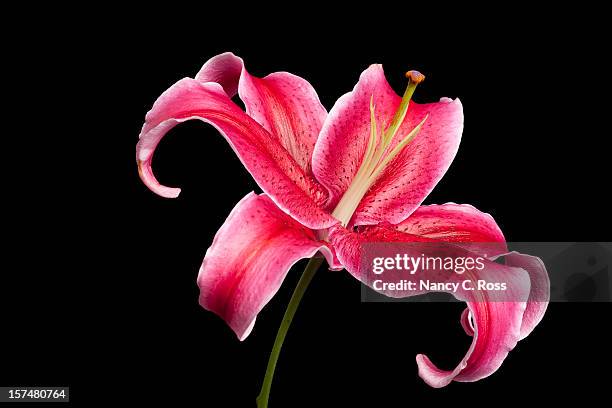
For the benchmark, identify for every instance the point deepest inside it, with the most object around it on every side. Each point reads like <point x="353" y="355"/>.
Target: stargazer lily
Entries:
<point x="332" y="182"/>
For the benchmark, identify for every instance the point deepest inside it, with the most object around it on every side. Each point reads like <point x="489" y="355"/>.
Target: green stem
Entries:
<point x="298" y="293"/>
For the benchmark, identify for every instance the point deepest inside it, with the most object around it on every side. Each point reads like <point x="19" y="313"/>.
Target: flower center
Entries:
<point x="378" y="153"/>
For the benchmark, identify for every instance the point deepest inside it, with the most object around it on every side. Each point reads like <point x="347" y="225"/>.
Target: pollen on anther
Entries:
<point x="415" y="76"/>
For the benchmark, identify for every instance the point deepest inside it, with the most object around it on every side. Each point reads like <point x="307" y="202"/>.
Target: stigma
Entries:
<point x="378" y="153"/>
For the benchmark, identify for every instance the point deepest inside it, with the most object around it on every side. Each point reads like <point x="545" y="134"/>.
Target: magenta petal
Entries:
<point x="272" y="167"/>
<point x="249" y="259"/>
<point x="411" y="176"/>
<point x="478" y="232"/>
<point x="224" y="69"/>
<point x="414" y="173"/>
<point x="348" y="245"/>
<point x="466" y="322"/>
<point x="458" y="223"/>
<point x="343" y="139"/>
<point x="489" y="321"/>
<point x="498" y="324"/>
<point x="289" y="108"/>
<point x="539" y="295"/>
<point x="496" y="332"/>
<point x="286" y="105"/>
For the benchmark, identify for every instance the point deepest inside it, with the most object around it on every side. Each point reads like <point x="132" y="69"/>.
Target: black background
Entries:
<point x="99" y="290"/>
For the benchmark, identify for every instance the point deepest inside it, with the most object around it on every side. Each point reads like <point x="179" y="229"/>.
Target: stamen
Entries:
<point x="404" y="142"/>
<point x="414" y="78"/>
<point x="376" y="156"/>
<point x="373" y="136"/>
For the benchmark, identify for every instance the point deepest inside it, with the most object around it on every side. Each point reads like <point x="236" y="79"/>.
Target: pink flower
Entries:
<point x="332" y="182"/>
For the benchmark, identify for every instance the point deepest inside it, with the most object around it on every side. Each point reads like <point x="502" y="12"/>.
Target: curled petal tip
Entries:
<point x="415" y="76"/>
<point x="147" y="177"/>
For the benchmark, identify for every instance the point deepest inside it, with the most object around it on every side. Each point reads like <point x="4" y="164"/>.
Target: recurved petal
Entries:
<point x="491" y="321"/>
<point x="286" y="105"/>
<point x="497" y="316"/>
<point x="289" y="108"/>
<point x="539" y="296"/>
<point x="496" y="332"/>
<point x="249" y="259"/>
<point x="272" y="167"/>
<point x="466" y="322"/>
<point x="224" y="69"/>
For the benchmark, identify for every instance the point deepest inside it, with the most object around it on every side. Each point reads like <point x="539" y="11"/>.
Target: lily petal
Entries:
<point x="412" y="174"/>
<point x="498" y="322"/>
<point x="272" y="167"/>
<point x="286" y="105"/>
<point x="345" y="133"/>
<point x="458" y="223"/>
<point x="534" y="311"/>
<point x="496" y="332"/>
<point x="478" y="232"/>
<point x="289" y="108"/>
<point x="466" y="322"/>
<point x="539" y="295"/>
<point x="224" y="69"/>
<point x="249" y="259"/>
